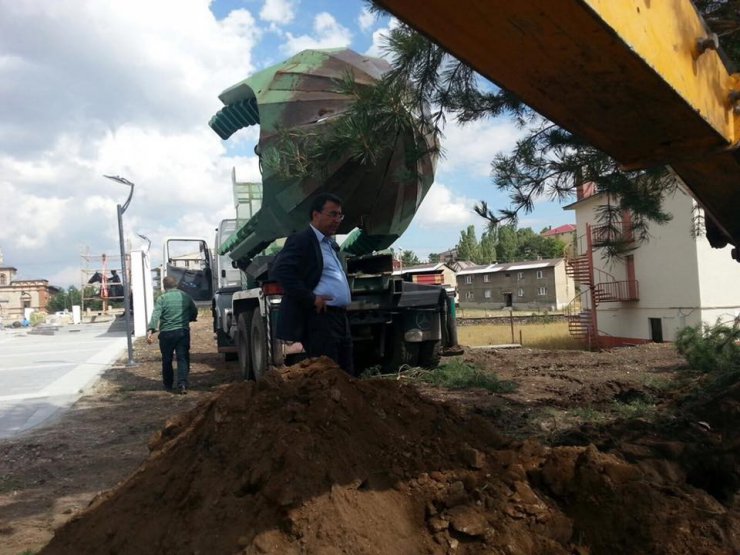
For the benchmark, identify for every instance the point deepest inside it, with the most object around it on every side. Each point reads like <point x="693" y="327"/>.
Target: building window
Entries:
<point x="539" y="274"/>
<point x="520" y="275"/>
<point x="3" y="280"/>
<point x="469" y="295"/>
<point x="541" y="291"/>
<point x="487" y="293"/>
<point x="468" y="279"/>
<point x="520" y="292"/>
<point x="507" y="275"/>
<point x="486" y="278"/>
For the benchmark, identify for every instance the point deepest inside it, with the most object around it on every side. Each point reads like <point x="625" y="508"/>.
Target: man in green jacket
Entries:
<point x="173" y="312"/>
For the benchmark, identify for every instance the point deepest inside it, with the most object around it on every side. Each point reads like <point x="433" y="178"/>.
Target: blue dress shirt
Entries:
<point x="333" y="282"/>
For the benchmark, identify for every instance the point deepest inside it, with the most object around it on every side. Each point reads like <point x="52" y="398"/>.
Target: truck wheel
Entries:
<point x="430" y="353"/>
<point x="364" y="356"/>
<point x="223" y="340"/>
<point x="242" y="344"/>
<point x="402" y="352"/>
<point x="258" y="338"/>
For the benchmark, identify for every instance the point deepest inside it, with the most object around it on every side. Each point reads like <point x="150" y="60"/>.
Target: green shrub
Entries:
<point x="711" y="348"/>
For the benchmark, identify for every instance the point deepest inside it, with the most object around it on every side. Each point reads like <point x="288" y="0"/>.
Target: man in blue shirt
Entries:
<point x="316" y="292"/>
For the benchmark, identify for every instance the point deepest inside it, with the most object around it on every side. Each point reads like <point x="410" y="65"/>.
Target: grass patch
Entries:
<point x="638" y="408"/>
<point x="9" y="484"/>
<point x="461" y="375"/>
<point x="553" y="335"/>
<point x="658" y="383"/>
<point x="589" y="414"/>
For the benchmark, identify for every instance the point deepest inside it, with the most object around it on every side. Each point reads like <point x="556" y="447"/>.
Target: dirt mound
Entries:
<point x="312" y="461"/>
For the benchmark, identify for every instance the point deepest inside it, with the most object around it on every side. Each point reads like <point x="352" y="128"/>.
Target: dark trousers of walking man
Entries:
<point x="177" y="343"/>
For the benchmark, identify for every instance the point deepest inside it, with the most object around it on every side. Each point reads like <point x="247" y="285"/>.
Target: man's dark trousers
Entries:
<point x="178" y="342"/>
<point x="329" y="335"/>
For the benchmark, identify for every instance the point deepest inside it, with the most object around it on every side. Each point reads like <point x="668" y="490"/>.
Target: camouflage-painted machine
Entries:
<point x="302" y="94"/>
<point x="394" y="320"/>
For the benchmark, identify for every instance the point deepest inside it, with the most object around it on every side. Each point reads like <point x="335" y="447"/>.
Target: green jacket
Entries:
<point x="173" y="310"/>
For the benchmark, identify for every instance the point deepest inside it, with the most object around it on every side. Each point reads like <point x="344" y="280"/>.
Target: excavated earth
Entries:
<point x="310" y="460"/>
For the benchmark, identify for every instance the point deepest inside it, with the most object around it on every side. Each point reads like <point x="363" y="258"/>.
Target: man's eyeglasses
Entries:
<point x="335" y="215"/>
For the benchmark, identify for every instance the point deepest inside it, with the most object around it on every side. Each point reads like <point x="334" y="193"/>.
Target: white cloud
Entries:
<point x="28" y="220"/>
<point x="365" y="20"/>
<point x="90" y="65"/>
<point x="66" y="276"/>
<point x="113" y="88"/>
<point x="473" y="146"/>
<point x="441" y="208"/>
<point x="328" y="33"/>
<point x="280" y="12"/>
<point x="377" y="48"/>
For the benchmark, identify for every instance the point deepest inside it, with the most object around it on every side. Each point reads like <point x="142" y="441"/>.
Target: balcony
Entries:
<point x="620" y="232"/>
<point x="617" y="291"/>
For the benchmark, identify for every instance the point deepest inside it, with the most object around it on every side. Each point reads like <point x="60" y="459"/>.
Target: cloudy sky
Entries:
<point x="126" y="87"/>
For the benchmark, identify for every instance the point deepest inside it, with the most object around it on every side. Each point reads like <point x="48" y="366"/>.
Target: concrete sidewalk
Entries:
<point x="43" y="374"/>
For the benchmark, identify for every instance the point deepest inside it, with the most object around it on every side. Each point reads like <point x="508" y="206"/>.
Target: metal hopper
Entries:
<point x="302" y="93"/>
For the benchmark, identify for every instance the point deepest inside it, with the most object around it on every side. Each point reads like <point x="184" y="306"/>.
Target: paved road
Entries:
<point x="43" y="374"/>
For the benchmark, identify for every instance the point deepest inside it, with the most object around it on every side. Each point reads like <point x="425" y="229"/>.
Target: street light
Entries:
<point x="145" y="277"/>
<point x="126" y="286"/>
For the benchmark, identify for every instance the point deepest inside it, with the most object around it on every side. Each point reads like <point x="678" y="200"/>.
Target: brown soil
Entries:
<point x="592" y="453"/>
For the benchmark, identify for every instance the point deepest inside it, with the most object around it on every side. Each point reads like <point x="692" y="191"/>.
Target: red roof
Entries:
<point x="567" y="228"/>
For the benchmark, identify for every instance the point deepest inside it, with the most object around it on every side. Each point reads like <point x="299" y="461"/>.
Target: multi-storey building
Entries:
<point x="532" y="284"/>
<point x="674" y="280"/>
<point x="19" y="295"/>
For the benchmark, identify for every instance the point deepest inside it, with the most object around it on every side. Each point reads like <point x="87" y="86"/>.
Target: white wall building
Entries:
<point x="674" y="280"/>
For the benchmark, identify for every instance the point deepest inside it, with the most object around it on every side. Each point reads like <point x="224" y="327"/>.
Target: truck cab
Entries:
<point x="188" y="260"/>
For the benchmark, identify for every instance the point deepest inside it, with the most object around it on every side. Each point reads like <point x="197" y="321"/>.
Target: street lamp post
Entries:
<point x="126" y="285"/>
<point x="145" y="277"/>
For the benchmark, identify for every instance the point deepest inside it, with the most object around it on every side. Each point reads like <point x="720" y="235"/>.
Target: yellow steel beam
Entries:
<point x="671" y="39"/>
<point x="629" y="76"/>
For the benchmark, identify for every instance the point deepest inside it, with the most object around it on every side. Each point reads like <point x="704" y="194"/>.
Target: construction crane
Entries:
<point x="643" y="80"/>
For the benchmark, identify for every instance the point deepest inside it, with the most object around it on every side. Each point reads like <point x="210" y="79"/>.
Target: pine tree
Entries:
<point x="548" y="161"/>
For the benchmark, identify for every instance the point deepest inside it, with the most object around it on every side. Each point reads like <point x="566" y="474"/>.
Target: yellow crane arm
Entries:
<point x="640" y="79"/>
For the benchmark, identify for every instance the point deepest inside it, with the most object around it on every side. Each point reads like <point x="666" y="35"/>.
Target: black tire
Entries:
<point x="430" y="353"/>
<point x="223" y="340"/>
<point x="243" y="345"/>
<point x="402" y="352"/>
<point x="258" y="350"/>
<point x="364" y="356"/>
